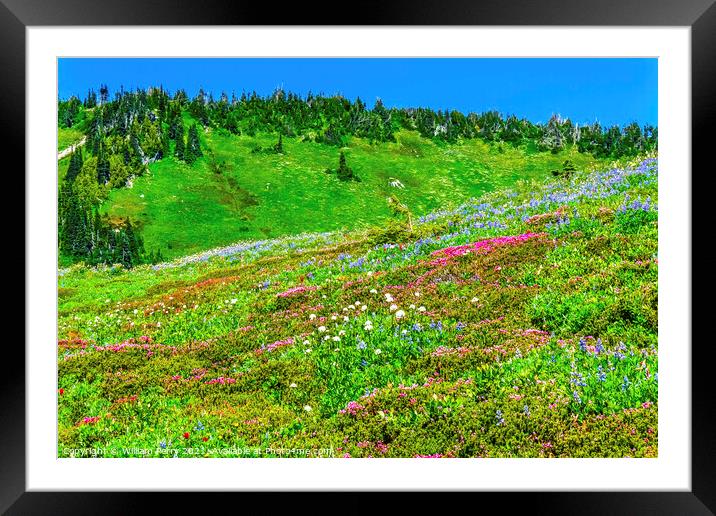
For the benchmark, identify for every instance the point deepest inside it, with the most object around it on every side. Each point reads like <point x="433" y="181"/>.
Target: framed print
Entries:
<point x="438" y="249"/>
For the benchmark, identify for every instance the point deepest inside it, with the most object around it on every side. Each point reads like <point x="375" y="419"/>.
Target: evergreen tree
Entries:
<point x="344" y="172"/>
<point x="74" y="234"/>
<point x="278" y="148"/>
<point x="179" y="149"/>
<point x="75" y="165"/>
<point x="164" y="144"/>
<point x="91" y="99"/>
<point x="128" y="251"/>
<point x="193" y="145"/>
<point x="103" y="169"/>
<point x="103" y="94"/>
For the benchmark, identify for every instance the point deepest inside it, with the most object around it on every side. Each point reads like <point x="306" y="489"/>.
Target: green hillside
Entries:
<point x="161" y="175"/>
<point x="183" y="209"/>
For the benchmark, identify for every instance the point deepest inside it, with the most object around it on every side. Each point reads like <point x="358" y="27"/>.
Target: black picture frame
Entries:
<point x="700" y="15"/>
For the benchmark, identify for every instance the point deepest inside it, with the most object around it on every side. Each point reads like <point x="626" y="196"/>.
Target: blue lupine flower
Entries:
<point x="526" y="410"/>
<point x="625" y="384"/>
<point x="577" y="379"/>
<point x="361" y="344"/>
<point x="599" y="347"/>
<point x="601" y="375"/>
<point x="576" y="397"/>
<point x="619" y="352"/>
<point x="500" y="419"/>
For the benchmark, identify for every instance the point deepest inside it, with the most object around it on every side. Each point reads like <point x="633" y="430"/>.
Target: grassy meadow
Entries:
<point x="184" y="209"/>
<point x="518" y="317"/>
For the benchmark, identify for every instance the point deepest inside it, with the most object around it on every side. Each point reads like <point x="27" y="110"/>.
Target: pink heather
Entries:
<point x="444" y="350"/>
<point x="274" y="345"/>
<point x="482" y="245"/>
<point x="132" y="344"/>
<point x="221" y="380"/>
<point x="296" y="290"/>
<point x="352" y="408"/>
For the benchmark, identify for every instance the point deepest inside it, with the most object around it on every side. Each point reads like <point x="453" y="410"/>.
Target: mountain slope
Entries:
<point x="519" y="324"/>
<point x="183" y="209"/>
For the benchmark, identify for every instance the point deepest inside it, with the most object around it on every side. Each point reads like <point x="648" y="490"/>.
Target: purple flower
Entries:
<point x="599" y="347"/>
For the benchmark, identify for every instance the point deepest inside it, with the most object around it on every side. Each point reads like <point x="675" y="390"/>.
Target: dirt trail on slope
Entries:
<point x="69" y="150"/>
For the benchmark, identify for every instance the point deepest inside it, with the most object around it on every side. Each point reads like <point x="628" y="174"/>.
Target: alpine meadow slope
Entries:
<point x="519" y="324"/>
<point x="289" y="276"/>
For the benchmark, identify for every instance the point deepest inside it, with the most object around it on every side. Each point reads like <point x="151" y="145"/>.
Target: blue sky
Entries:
<point x="612" y="91"/>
